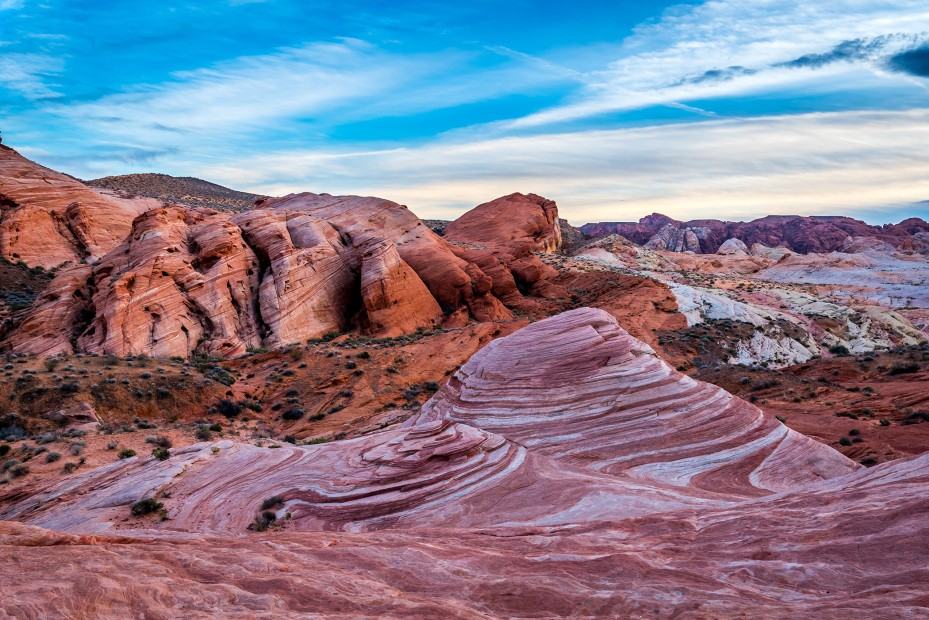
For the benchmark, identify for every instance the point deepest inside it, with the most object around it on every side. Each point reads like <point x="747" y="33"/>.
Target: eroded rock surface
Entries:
<point x="566" y="448"/>
<point x="50" y="218"/>
<point x="296" y="268"/>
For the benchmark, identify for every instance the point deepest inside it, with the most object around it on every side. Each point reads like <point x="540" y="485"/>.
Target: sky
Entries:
<point x="725" y="109"/>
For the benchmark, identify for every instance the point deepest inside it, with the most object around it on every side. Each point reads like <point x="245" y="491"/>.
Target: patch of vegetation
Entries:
<point x="903" y="369"/>
<point x="275" y="501"/>
<point x="162" y="454"/>
<point x="146" y="506"/>
<point x="126" y="453"/>
<point x="293" y="414"/>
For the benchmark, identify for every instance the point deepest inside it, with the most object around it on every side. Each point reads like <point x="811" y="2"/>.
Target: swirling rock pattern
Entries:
<point x="563" y="471"/>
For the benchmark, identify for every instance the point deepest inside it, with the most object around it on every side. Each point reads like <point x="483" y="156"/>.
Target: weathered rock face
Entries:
<point x="564" y="449"/>
<point x="520" y="218"/>
<point x="796" y="233"/>
<point x="502" y="237"/>
<point x="395" y="299"/>
<point x="674" y="239"/>
<point x="296" y="268"/>
<point x="50" y="218"/>
<point x="733" y="247"/>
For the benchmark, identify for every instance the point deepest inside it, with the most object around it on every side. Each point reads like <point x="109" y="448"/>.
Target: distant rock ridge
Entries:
<point x="188" y="191"/>
<point x="801" y="234"/>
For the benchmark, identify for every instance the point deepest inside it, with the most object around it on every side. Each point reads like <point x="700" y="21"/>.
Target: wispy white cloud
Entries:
<point x="11" y="5"/>
<point x="30" y="75"/>
<point x="314" y="87"/>
<point x="760" y="38"/>
<point x="815" y="163"/>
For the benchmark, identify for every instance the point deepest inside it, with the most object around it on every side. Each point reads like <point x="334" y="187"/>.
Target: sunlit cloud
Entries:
<point x="804" y="164"/>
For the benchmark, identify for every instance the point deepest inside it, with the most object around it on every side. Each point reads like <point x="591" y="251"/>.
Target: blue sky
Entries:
<point x="730" y="109"/>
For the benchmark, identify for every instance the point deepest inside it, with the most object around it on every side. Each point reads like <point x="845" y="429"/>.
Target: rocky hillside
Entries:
<point x="800" y="234"/>
<point x="177" y="190"/>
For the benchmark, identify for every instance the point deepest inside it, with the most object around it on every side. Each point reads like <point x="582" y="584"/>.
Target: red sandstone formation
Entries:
<point x="515" y="218"/>
<point x="295" y="268"/>
<point x="50" y="218"/>
<point x="502" y="237"/>
<point x="798" y="233"/>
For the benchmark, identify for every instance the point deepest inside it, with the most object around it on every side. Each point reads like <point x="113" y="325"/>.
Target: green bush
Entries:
<point x="126" y="453"/>
<point x="146" y="506"/>
<point x="162" y="454"/>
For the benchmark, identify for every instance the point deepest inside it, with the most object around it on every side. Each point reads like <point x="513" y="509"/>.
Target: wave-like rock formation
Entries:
<point x="803" y="234"/>
<point x="49" y="218"/>
<point x="564" y="470"/>
<point x="598" y="398"/>
<point x="567" y="420"/>
<point x="293" y="268"/>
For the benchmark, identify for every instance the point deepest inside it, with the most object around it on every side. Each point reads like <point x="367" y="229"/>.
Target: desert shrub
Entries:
<point x="854" y="432"/>
<point x="69" y="467"/>
<point x="868" y="461"/>
<point x="252" y="405"/>
<point x="4" y="449"/>
<point x="46" y="438"/>
<point x="885" y="422"/>
<point x="845" y="441"/>
<point x="69" y="388"/>
<point x="431" y="386"/>
<point x="764" y="385"/>
<point x="839" y="349"/>
<point x="158" y="440"/>
<point x="903" y="369"/>
<point x="8" y="465"/>
<point x="162" y="454"/>
<point x="216" y="427"/>
<point x="263" y="521"/>
<point x="275" y="501"/>
<point x="146" y="506"/>
<point x="291" y="393"/>
<point x="317" y="416"/>
<point x="358" y="372"/>
<point x="347" y="393"/>
<point x="51" y="457"/>
<point x="915" y="418"/>
<point x="112" y="445"/>
<point x="293" y="414"/>
<point x="77" y="447"/>
<point x="229" y="408"/>
<point x="364" y="355"/>
<point x="204" y="434"/>
<point x="18" y="471"/>
<point x="126" y="453"/>
<point x="336" y="409"/>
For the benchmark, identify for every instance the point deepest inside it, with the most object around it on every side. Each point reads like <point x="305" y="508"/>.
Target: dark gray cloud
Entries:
<point x="914" y="61"/>
<point x="717" y="75"/>
<point x="874" y="48"/>
<point x="846" y="51"/>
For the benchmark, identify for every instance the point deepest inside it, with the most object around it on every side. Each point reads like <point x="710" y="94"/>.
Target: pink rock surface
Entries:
<point x="564" y="471"/>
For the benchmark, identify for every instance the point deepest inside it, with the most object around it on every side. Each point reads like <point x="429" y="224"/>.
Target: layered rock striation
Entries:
<point x="49" y="218"/>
